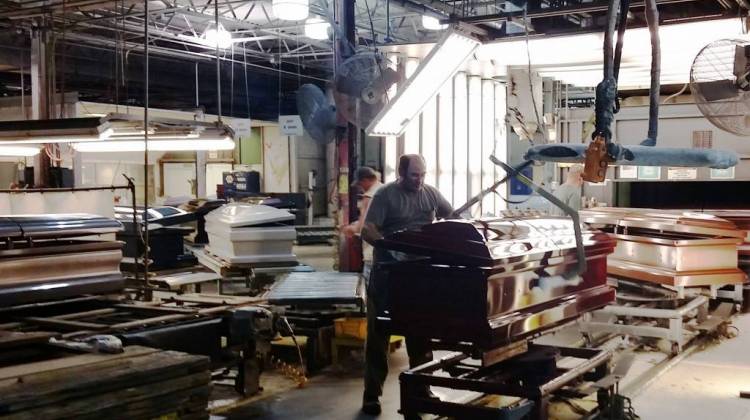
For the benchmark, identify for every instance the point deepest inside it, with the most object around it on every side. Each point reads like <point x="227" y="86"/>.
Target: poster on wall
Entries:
<point x="649" y="173"/>
<point x="679" y="174"/>
<point x="628" y="172"/>
<point x="722" y="173"/>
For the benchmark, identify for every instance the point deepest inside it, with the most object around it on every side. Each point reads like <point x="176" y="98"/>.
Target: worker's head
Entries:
<point x="575" y="175"/>
<point x="365" y="177"/>
<point x="412" y="170"/>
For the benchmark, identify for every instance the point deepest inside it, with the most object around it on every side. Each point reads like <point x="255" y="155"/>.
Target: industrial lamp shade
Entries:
<point x="219" y="37"/>
<point x="291" y="9"/>
<point x="432" y="23"/>
<point x="316" y="28"/>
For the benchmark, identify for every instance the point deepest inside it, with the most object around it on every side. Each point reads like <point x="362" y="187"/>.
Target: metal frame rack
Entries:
<point x="677" y="316"/>
<point x="534" y="376"/>
<point x="234" y="331"/>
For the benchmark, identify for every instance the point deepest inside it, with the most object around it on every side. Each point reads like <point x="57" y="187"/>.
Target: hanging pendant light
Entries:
<point x="432" y="23"/>
<point x="218" y="37"/>
<point x="291" y="9"/>
<point x="316" y="28"/>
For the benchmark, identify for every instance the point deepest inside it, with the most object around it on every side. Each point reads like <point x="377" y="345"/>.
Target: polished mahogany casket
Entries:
<point x="494" y="281"/>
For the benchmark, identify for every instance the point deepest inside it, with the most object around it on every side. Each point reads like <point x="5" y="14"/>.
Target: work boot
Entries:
<point x="371" y="406"/>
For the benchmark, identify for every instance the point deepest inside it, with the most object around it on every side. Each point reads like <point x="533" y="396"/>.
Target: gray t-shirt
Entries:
<point x="394" y="208"/>
<point x="568" y="194"/>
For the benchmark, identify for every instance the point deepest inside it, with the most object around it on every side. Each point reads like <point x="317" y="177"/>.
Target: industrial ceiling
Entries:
<point x="99" y="44"/>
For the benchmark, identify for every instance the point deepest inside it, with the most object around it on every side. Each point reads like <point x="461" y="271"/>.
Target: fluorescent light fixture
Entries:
<point x="390" y="145"/>
<point x="501" y="143"/>
<point x="576" y="59"/>
<point x="439" y="66"/>
<point x="173" y="145"/>
<point x="475" y="136"/>
<point x="488" y="143"/>
<point x="445" y="140"/>
<point x="460" y="140"/>
<point x="25" y="151"/>
<point x="432" y="23"/>
<point x="54" y="131"/>
<point x="411" y="135"/>
<point x="218" y="37"/>
<point x="316" y="28"/>
<point x="291" y="9"/>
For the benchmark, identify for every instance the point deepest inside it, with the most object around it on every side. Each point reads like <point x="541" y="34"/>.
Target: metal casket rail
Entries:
<point x="492" y="282"/>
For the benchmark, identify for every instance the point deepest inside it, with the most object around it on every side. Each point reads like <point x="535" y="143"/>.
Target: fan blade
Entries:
<point x="317" y="114"/>
<point x="717" y="90"/>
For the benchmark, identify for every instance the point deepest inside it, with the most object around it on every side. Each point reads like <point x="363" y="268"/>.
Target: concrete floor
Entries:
<point x="704" y="385"/>
<point x="336" y="394"/>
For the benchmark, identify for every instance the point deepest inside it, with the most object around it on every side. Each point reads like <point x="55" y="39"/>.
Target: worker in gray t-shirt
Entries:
<point x="401" y="205"/>
<point x="569" y="192"/>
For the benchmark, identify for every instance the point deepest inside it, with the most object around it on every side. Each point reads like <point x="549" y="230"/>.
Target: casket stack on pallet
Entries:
<point x="247" y="234"/>
<point x="741" y="218"/>
<point x="667" y="265"/>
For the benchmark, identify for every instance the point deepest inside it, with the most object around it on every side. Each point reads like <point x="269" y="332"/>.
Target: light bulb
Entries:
<point x="291" y="9"/>
<point x="316" y="28"/>
<point x="431" y="23"/>
<point x="221" y="38"/>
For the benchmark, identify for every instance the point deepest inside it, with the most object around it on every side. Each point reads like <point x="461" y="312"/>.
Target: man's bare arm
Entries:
<point x="371" y="233"/>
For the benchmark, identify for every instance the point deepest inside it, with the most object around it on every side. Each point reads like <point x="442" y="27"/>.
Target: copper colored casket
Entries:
<point x="492" y="282"/>
<point x="670" y="247"/>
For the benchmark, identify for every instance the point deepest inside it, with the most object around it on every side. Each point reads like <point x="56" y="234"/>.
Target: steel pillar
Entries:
<point x="350" y="258"/>
<point x="42" y="91"/>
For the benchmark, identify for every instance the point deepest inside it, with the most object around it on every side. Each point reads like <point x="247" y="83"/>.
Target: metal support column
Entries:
<point x="349" y="260"/>
<point x="42" y="91"/>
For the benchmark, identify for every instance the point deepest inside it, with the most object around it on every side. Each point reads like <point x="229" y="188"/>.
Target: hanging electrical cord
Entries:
<point x="218" y="62"/>
<point x="531" y="83"/>
<point x="62" y="70"/>
<point x="231" y="84"/>
<point x="247" y="90"/>
<point x="144" y="218"/>
<point x="674" y="95"/>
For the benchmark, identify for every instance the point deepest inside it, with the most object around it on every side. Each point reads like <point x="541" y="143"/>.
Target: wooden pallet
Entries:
<point x="141" y="382"/>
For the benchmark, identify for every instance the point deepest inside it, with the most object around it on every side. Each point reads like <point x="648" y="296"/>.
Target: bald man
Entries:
<point x="404" y="204"/>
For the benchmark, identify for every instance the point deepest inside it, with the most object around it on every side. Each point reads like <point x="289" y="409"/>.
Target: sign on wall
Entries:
<point x="628" y="172"/>
<point x="682" y="173"/>
<point x="649" y="173"/>
<point x="290" y="125"/>
<point x="722" y="173"/>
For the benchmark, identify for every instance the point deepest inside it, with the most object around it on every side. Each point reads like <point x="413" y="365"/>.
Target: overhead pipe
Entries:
<point x="553" y="12"/>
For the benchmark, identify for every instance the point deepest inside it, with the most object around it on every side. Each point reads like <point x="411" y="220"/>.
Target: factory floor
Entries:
<point x="703" y="385"/>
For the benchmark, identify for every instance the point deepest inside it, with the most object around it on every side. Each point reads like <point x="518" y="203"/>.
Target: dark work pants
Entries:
<point x="377" y="343"/>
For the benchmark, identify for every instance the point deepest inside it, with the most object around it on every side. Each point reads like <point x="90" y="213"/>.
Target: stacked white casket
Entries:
<point x="251" y="234"/>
